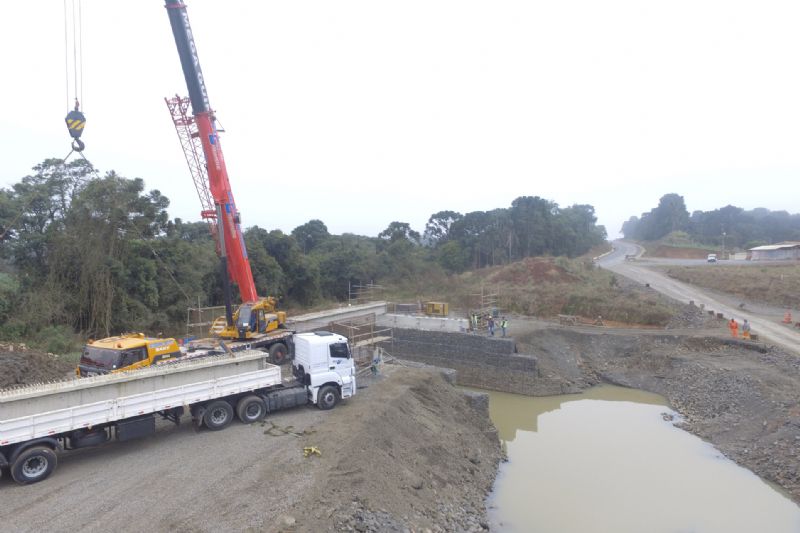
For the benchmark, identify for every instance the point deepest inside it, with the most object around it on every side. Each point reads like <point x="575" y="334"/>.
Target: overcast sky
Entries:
<point x="363" y="112"/>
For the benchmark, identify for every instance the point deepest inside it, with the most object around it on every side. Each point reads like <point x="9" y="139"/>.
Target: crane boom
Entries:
<point x="233" y="254"/>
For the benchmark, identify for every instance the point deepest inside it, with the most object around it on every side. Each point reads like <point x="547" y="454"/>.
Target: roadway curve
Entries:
<point x="765" y="327"/>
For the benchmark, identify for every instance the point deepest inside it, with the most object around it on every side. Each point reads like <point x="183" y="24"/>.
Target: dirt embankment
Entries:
<point x="22" y="366"/>
<point x="743" y="400"/>
<point x="421" y="454"/>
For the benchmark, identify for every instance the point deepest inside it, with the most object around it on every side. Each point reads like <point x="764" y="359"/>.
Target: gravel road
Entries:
<point x="179" y="479"/>
<point x="409" y="451"/>
<point x="763" y="325"/>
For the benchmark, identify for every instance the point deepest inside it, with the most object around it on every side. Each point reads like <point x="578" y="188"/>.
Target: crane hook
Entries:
<point x="75" y="123"/>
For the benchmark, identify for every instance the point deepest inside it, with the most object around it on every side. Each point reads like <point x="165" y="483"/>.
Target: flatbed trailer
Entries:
<point x="278" y="344"/>
<point x="37" y="422"/>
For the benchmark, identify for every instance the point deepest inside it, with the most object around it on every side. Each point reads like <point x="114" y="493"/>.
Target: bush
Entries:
<point x="56" y="339"/>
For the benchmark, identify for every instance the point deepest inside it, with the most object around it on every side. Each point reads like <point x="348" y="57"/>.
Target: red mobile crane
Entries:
<point x="199" y="139"/>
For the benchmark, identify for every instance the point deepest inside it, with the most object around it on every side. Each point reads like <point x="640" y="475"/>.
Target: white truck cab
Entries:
<point x="323" y="362"/>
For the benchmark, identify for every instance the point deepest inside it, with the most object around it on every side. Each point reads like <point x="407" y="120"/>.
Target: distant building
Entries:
<point x="776" y="252"/>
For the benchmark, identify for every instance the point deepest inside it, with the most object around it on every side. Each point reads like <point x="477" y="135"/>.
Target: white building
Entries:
<point x="776" y="252"/>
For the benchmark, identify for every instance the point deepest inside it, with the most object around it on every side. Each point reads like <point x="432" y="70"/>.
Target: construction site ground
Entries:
<point x="409" y="451"/>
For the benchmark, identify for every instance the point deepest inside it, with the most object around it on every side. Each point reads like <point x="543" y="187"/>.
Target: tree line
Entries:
<point x="99" y="255"/>
<point x="738" y="227"/>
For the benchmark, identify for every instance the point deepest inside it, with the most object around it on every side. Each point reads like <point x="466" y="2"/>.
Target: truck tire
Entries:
<point x="251" y="409"/>
<point x="34" y="465"/>
<point x="327" y="397"/>
<point x="278" y="353"/>
<point x="218" y="415"/>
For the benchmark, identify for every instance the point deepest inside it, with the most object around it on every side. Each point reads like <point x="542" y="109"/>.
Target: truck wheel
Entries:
<point x="327" y="397"/>
<point x="218" y="415"/>
<point x="278" y="352"/>
<point x="251" y="409"/>
<point x="34" y="464"/>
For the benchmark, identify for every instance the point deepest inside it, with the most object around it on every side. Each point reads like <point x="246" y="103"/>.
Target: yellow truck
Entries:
<point x="125" y="352"/>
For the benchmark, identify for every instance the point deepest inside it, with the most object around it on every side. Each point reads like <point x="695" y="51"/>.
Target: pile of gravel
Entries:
<point x="691" y="316"/>
<point x="20" y="365"/>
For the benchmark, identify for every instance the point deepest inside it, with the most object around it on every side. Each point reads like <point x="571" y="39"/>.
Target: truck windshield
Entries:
<point x="339" y="349"/>
<point x="101" y="357"/>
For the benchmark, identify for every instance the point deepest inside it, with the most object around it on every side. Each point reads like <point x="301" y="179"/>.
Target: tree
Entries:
<point x="452" y="258"/>
<point x="400" y="231"/>
<point x="532" y="217"/>
<point x="670" y="215"/>
<point x="302" y="275"/>
<point x="38" y="208"/>
<point x="310" y="235"/>
<point x="630" y="228"/>
<point x="101" y="259"/>
<point x="438" y="227"/>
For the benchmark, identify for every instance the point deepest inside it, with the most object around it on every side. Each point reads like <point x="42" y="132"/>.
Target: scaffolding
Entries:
<point x="361" y="294"/>
<point x="199" y="320"/>
<point x="367" y="340"/>
<point x="485" y="305"/>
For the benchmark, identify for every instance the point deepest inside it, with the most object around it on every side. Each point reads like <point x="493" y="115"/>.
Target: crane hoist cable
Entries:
<point x="75" y="119"/>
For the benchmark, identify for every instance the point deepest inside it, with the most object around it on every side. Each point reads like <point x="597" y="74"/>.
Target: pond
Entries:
<point x="611" y="460"/>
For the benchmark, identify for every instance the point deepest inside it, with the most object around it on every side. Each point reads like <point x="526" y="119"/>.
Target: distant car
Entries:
<point x="712" y="258"/>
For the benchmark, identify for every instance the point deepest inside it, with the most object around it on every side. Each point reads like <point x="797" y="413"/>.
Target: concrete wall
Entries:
<point x="427" y="323"/>
<point x="484" y="362"/>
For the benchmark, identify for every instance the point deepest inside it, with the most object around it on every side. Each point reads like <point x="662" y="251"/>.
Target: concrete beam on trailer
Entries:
<point x="310" y="321"/>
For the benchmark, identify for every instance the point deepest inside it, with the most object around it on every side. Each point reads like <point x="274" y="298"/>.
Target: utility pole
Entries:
<point x="723" y="245"/>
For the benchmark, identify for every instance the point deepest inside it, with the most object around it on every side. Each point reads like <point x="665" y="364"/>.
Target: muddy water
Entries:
<point x="608" y="461"/>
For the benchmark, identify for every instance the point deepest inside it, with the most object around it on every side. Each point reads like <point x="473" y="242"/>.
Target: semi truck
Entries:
<point x="38" y="423"/>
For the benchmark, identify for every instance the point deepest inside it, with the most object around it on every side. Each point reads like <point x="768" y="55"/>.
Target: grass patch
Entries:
<point x="777" y="285"/>
<point x="542" y="287"/>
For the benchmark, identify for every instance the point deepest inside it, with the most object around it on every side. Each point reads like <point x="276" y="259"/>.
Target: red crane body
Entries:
<point x="238" y="263"/>
<point x="209" y="173"/>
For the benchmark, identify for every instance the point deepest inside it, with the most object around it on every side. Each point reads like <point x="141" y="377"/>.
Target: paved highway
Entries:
<point x="765" y="326"/>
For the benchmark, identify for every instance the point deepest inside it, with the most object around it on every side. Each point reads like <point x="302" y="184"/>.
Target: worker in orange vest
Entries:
<point x="734" y="327"/>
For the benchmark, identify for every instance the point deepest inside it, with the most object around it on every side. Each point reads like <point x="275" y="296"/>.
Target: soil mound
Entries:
<point x="422" y="455"/>
<point x="532" y="270"/>
<point x="22" y="366"/>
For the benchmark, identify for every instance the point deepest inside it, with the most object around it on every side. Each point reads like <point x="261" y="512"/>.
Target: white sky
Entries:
<point x="363" y="112"/>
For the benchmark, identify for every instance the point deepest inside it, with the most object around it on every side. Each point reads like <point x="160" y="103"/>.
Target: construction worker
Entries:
<point x="504" y="325"/>
<point x="490" y="323"/>
<point x="746" y="330"/>
<point x="734" y="327"/>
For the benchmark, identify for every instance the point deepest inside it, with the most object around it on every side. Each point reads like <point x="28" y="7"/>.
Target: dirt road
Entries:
<point x="409" y="450"/>
<point x="764" y="326"/>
